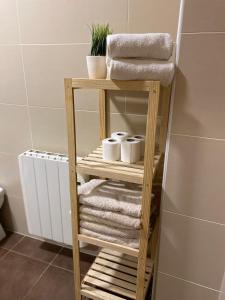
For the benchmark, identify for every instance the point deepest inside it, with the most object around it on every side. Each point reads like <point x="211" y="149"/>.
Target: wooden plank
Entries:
<point x="115" y="266"/>
<point x="69" y="98"/>
<point x="125" y="256"/>
<point x="112" y="280"/>
<point x="165" y="98"/>
<point x="96" y="294"/>
<point x="107" y="173"/>
<point x="100" y="243"/>
<point x="106" y="84"/>
<point x="118" y="260"/>
<point x="98" y="158"/>
<point x="114" y="273"/>
<point x="113" y="166"/>
<point x="153" y="102"/>
<point x="109" y="287"/>
<point x="102" y="115"/>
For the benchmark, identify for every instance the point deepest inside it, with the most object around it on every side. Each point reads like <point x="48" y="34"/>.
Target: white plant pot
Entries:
<point x="96" y="66"/>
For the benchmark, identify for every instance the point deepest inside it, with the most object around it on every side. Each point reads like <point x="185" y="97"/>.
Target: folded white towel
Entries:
<point x="133" y="243"/>
<point x="112" y="196"/>
<point x="109" y="230"/>
<point x="140" y="69"/>
<point x="104" y="217"/>
<point x="148" y="45"/>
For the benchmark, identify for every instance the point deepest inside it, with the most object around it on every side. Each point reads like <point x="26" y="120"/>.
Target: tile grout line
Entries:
<point x="24" y="75"/>
<point x="197" y="137"/>
<point x="191" y="282"/>
<point x="36" y="282"/>
<point x="14" y="245"/>
<point x="191" y="217"/>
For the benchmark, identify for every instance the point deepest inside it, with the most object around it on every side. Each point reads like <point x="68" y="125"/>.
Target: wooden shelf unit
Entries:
<point x="105" y="281"/>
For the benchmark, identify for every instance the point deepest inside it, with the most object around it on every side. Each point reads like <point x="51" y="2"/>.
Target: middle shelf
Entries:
<point x="94" y="165"/>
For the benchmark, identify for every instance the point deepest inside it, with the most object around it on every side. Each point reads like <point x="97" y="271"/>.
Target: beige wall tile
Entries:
<point x="9" y="175"/>
<point x="45" y="70"/>
<point x="153" y="16"/>
<point x="64" y="21"/>
<point x="195" y="178"/>
<point x="135" y="124"/>
<point x="86" y="100"/>
<point x="204" y="16"/>
<point x="116" y="101"/>
<point x="49" y="129"/>
<point x="116" y="122"/>
<point x="87" y="130"/>
<point x="8" y="22"/>
<point x="136" y="103"/>
<point x="199" y="106"/>
<point x="193" y="250"/>
<point x="14" y="129"/>
<point x="13" y="215"/>
<point x="12" y="85"/>
<point x="176" y="289"/>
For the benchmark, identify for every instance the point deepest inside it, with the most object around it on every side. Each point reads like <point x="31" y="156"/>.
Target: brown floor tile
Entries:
<point x="37" y="249"/>
<point x="10" y="240"/>
<point x="65" y="260"/>
<point x="17" y="275"/>
<point x="55" y="284"/>
<point x="2" y="252"/>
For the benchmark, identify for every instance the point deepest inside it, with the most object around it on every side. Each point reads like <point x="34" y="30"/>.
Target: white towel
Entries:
<point x="109" y="230"/>
<point x="133" y="243"/>
<point x="148" y="45"/>
<point x="104" y="217"/>
<point x="112" y="196"/>
<point x="140" y="69"/>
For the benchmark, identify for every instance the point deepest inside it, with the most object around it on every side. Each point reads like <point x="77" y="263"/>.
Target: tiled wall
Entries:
<point x="192" y="246"/>
<point x="43" y="41"/>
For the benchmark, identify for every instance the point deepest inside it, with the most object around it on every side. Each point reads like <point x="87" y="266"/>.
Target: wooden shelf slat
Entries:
<point x="94" y="165"/>
<point x="106" y="84"/>
<point x="107" y="279"/>
<point x="101" y="243"/>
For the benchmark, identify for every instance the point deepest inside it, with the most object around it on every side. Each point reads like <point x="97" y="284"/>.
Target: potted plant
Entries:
<point x="96" y="62"/>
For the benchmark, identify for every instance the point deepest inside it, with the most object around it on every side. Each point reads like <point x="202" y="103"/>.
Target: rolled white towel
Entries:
<point x="140" y="69"/>
<point x="109" y="216"/>
<point x="133" y="243"/>
<point x="109" y="230"/>
<point x="147" y="45"/>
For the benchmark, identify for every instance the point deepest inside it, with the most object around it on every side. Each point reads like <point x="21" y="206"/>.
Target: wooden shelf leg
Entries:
<point x="102" y="114"/>
<point x="153" y="102"/>
<point x="69" y="96"/>
<point x="165" y="99"/>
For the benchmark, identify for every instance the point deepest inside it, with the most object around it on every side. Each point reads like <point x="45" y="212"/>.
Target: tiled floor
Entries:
<point x="35" y="270"/>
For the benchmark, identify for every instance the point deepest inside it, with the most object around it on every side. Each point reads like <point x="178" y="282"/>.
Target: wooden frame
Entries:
<point x="93" y="164"/>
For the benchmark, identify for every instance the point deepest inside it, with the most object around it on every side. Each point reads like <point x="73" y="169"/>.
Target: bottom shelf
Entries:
<point x="112" y="276"/>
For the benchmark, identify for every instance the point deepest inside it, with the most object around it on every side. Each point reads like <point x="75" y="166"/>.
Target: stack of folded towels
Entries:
<point x="111" y="210"/>
<point x="140" y="57"/>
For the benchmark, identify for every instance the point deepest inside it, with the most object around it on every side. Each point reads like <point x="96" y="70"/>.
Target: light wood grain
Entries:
<point x="153" y="102"/>
<point x="69" y="98"/>
<point x="101" y="243"/>
<point x="96" y="294"/>
<point x="165" y="104"/>
<point x="102" y="115"/>
<point x="106" y="84"/>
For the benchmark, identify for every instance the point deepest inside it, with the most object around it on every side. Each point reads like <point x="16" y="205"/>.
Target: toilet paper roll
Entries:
<point x="130" y="150"/>
<point x="111" y="149"/>
<point x="140" y="138"/>
<point x="119" y="135"/>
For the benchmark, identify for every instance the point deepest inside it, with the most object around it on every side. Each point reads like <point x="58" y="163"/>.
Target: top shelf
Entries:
<point x="106" y="84"/>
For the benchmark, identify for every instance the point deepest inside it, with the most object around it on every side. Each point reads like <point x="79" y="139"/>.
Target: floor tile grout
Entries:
<point x="36" y="282"/>
<point x="29" y="257"/>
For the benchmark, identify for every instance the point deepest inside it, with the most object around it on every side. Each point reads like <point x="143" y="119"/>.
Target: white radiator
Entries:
<point x="45" y="185"/>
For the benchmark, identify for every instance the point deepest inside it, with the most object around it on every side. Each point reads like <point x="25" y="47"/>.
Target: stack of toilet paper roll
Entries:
<point x="124" y="147"/>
